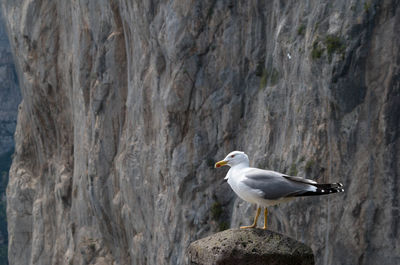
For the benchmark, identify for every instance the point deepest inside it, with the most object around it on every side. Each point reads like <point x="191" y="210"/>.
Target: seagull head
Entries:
<point x="234" y="158"/>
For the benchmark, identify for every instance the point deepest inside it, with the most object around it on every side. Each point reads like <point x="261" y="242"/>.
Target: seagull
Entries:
<point x="266" y="187"/>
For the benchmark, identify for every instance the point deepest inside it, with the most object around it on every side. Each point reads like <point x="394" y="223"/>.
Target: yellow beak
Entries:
<point x="220" y="163"/>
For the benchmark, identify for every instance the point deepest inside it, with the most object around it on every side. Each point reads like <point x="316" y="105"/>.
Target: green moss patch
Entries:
<point x="334" y="45"/>
<point x="301" y="30"/>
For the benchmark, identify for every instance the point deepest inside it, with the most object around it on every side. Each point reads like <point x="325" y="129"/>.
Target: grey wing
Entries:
<point x="299" y="179"/>
<point x="274" y="185"/>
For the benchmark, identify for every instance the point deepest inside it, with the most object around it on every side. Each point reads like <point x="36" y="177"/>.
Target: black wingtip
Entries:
<point x="325" y="191"/>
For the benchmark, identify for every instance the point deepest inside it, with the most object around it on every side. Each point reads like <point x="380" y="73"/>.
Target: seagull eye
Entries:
<point x="232" y="156"/>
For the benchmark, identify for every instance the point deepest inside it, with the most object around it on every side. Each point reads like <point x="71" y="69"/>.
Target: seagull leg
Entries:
<point x="265" y="218"/>
<point x="255" y="219"/>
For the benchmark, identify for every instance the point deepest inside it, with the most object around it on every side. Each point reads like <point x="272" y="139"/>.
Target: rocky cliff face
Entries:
<point x="10" y="97"/>
<point x="9" y="94"/>
<point x="127" y="104"/>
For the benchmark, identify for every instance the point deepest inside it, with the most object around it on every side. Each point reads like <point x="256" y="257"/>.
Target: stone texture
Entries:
<point x="10" y="96"/>
<point x="127" y="105"/>
<point x="249" y="246"/>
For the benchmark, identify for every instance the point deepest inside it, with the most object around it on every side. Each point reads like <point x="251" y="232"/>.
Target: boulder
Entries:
<point x="249" y="246"/>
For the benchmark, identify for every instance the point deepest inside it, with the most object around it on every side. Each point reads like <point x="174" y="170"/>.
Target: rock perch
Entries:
<point x="249" y="246"/>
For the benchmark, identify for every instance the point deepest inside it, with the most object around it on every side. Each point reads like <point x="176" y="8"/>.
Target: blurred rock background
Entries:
<point x="10" y="97"/>
<point x="128" y="104"/>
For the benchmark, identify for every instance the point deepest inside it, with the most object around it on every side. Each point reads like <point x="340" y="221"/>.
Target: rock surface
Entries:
<point x="10" y="96"/>
<point x="127" y="105"/>
<point x="249" y="247"/>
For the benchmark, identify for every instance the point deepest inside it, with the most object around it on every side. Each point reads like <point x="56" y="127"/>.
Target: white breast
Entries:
<point x="242" y="190"/>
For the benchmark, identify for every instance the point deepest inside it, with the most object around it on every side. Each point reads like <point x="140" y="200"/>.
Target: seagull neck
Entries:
<point x="241" y="165"/>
